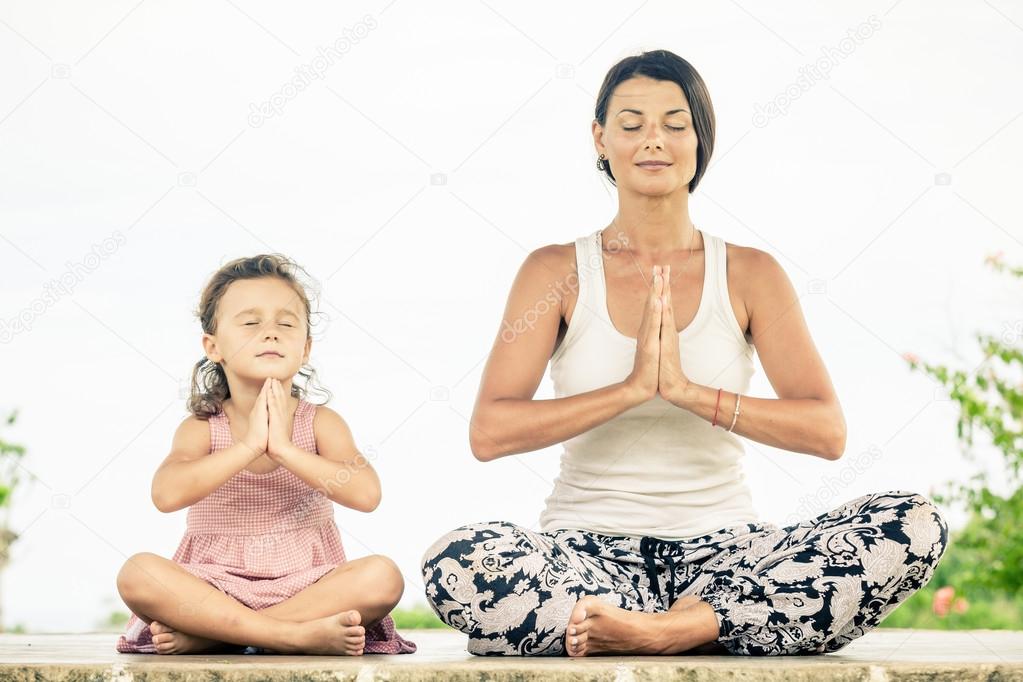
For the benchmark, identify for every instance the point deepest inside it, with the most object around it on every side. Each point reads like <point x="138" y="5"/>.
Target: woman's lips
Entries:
<point x="653" y="166"/>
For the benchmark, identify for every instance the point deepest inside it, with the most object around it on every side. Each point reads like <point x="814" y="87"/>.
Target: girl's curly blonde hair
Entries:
<point x="209" y="382"/>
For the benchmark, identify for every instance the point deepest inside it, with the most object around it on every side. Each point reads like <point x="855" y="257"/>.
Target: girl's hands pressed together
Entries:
<point x="671" y="380"/>
<point x="258" y="432"/>
<point x="279" y="439"/>
<point x="644" y="376"/>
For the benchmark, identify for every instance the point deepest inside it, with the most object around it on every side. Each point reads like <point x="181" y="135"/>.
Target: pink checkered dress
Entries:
<point x="262" y="538"/>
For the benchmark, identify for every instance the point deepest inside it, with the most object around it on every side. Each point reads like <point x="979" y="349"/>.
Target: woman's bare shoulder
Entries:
<point x="746" y="266"/>
<point x="557" y="259"/>
<point x="748" y="263"/>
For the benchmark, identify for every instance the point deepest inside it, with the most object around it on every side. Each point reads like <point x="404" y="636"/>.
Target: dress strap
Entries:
<point x="220" y="431"/>
<point x="302" y="429"/>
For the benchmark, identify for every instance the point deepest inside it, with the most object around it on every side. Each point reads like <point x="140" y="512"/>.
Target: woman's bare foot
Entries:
<point x="170" y="641"/>
<point x="596" y="627"/>
<point x="684" y="602"/>
<point x="708" y="649"/>
<point x="337" y="635"/>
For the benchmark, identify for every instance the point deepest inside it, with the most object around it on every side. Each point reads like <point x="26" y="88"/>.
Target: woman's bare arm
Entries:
<point x="506" y="420"/>
<point x="806" y="416"/>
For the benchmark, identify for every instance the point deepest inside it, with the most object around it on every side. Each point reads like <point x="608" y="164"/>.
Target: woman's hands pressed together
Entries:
<point x="671" y="380"/>
<point x="658" y="367"/>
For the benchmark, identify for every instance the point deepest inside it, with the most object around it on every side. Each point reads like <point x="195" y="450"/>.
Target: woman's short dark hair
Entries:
<point x="663" y="65"/>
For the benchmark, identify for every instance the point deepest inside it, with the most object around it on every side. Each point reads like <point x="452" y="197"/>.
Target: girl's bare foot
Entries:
<point x="596" y="627"/>
<point x="337" y="635"/>
<point x="170" y="641"/>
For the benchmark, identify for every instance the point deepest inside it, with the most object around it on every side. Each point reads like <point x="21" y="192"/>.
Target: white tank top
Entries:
<point x="656" y="469"/>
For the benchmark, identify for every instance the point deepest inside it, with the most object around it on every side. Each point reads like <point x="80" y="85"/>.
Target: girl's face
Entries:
<point x="261" y="331"/>
<point x="648" y="120"/>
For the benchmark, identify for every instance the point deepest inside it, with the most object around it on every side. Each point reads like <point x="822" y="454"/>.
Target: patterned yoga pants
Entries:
<point x="809" y="588"/>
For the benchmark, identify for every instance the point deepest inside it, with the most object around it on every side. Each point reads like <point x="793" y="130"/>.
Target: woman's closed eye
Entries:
<point x="668" y="127"/>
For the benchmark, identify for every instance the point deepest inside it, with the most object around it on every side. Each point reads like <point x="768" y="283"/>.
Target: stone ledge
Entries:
<point x="879" y="656"/>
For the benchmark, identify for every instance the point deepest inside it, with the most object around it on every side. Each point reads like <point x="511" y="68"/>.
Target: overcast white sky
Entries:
<point x="411" y="177"/>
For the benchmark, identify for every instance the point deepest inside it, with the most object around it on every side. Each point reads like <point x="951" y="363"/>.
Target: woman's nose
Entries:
<point x="655" y="138"/>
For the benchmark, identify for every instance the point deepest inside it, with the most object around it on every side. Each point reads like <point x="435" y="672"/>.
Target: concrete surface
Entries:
<point x="880" y="655"/>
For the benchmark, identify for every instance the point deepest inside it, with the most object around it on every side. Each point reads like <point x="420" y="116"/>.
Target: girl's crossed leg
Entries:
<point x="188" y="615"/>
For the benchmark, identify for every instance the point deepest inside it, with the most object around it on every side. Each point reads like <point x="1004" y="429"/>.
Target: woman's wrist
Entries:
<point x="631" y="394"/>
<point x="692" y="396"/>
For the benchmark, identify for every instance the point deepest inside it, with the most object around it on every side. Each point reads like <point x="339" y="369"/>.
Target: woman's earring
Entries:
<point x="602" y="163"/>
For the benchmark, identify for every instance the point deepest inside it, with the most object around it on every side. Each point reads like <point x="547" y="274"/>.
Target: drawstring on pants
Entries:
<point x="648" y="548"/>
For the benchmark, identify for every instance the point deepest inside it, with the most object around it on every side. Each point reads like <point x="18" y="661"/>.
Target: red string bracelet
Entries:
<point x="716" y="405"/>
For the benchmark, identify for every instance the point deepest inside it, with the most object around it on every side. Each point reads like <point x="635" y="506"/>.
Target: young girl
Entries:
<point x="261" y="564"/>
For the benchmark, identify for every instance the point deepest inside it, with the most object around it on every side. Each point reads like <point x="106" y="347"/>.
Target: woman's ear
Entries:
<point x="598" y="137"/>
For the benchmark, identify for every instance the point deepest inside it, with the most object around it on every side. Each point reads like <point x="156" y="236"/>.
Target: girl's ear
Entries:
<point x="209" y="345"/>
<point x="308" y="347"/>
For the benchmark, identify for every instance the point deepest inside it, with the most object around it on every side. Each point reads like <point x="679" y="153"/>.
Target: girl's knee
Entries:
<point x="388" y="577"/>
<point x="133" y="574"/>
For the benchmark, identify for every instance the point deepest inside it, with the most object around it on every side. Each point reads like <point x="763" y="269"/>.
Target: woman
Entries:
<point x="649" y="543"/>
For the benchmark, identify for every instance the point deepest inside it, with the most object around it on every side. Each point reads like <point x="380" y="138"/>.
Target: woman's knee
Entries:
<point x="924" y="525"/>
<point x="461" y="541"/>
<point x="452" y="564"/>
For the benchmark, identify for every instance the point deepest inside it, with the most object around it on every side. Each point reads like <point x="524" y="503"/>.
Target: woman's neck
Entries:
<point x="655" y="226"/>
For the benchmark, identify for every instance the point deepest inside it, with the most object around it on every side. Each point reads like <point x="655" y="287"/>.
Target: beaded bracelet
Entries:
<point x="735" y="415"/>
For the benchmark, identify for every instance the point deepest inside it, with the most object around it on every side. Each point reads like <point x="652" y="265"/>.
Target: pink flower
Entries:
<point x="911" y="357"/>
<point x="943" y="600"/>
<point x="994" y="258"/>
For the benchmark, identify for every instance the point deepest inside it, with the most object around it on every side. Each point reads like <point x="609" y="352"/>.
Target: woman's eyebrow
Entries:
<point x="667" y="113"/>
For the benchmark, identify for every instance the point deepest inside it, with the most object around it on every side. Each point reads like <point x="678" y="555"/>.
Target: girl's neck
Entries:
<point x="656" y="225"/>
<point x="244" y="393"/>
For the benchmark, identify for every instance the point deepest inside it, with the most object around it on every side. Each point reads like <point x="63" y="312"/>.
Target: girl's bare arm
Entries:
<point x="190" y="472"/>
<point x="339" y="471"/>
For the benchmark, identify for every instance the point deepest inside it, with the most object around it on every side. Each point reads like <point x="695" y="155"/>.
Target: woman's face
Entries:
<point x="261" y="331"/>
<point x="648" y="120"/>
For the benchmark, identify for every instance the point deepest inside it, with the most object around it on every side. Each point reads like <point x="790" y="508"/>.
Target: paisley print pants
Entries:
<point x="808" y="588"/>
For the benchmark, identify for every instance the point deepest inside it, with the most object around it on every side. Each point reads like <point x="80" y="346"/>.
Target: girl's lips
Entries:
<point x="653" y="166"/>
